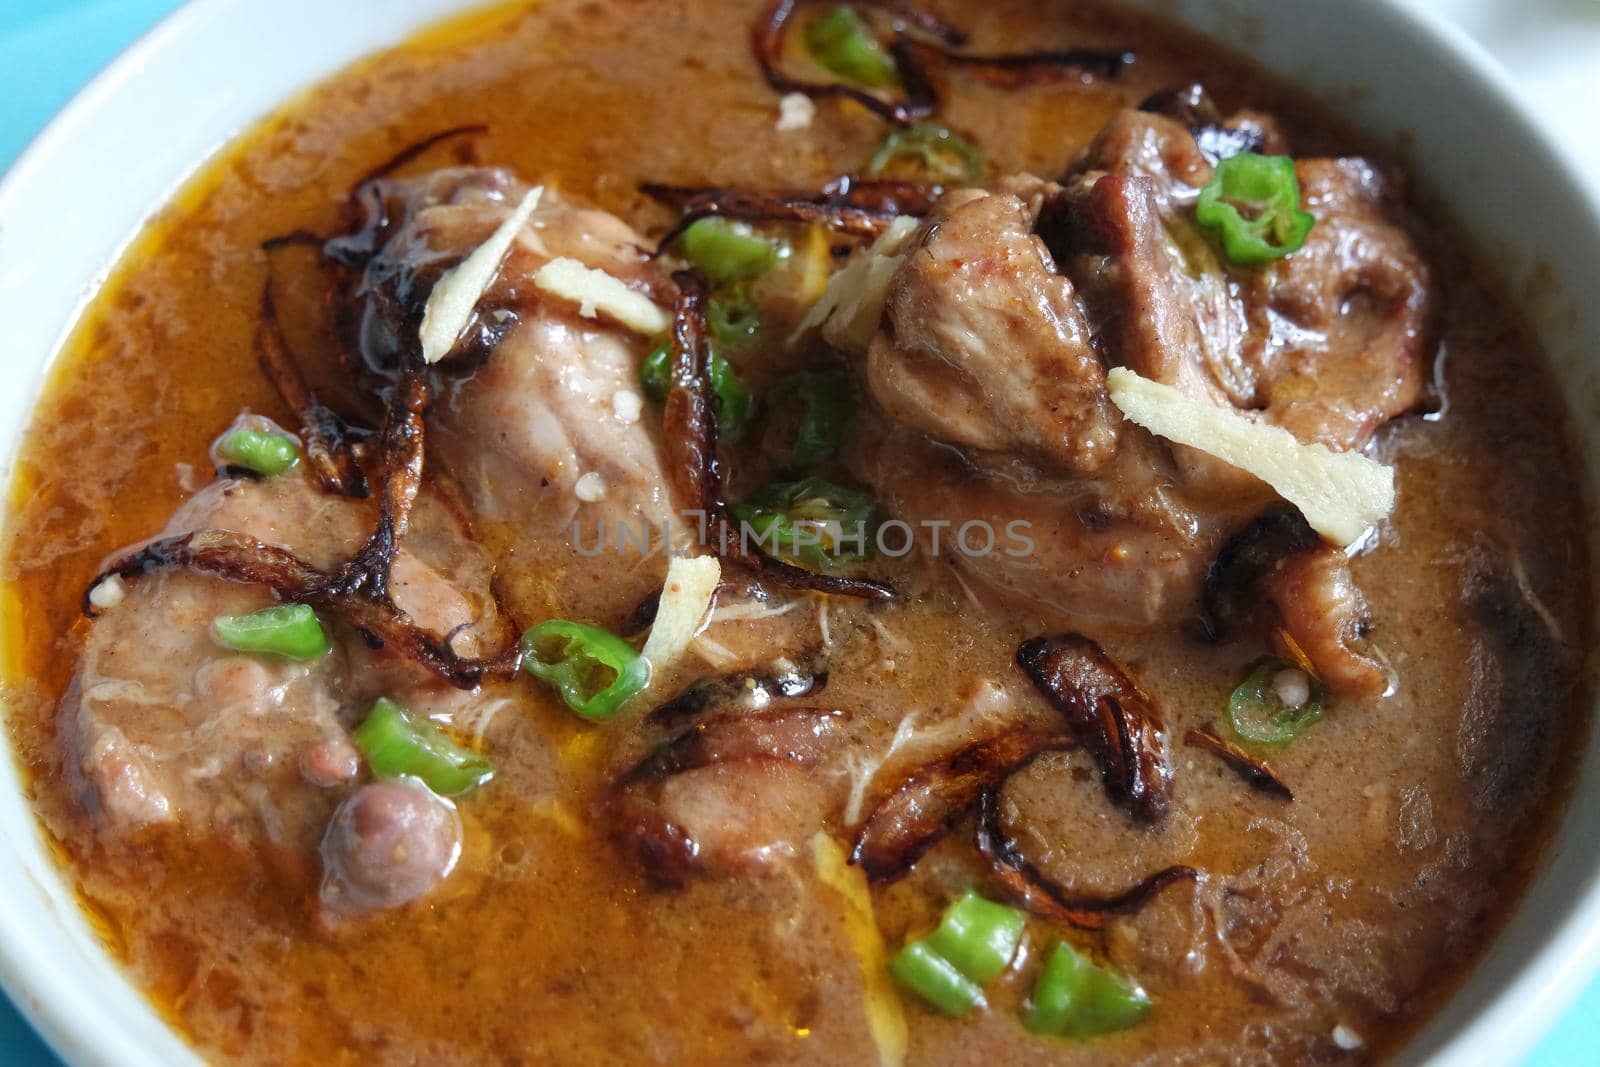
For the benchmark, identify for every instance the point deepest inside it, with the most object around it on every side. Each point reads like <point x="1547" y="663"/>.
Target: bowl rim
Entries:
<point x="1548" y="978"/>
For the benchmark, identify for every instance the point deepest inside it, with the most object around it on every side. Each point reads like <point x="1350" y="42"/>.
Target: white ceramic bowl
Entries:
<point x="122" y="148"/>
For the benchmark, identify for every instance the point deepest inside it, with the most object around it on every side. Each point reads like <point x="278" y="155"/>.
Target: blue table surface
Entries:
<point x="48" y="48"/>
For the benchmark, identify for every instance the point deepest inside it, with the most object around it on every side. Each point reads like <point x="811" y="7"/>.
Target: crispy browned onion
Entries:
<point x="1193" y="106"/>
<point x="1108" y="715"/>
<point x="691" y="448"/>
<point x="1252" y="771"/>
<point x="325" y="434"/>
<point x="1044" y="897"/>
<point x="924" y="808"/>
<point x="859" y="208"/>
<point x="920" y="40"/>
<point x="758" y="688"/>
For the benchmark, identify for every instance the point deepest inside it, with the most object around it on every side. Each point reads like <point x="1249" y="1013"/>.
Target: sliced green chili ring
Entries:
<point x="398" y="744"/>
<point x="1259" y="716"/>
<point x="1271" y="224"/>
<point x="265" y="453"/>
<point x="979" y="936"/>
<point x="1076" y="998"/>
<point x="726" y="251"/>
<point x="734" y="404"/>
<point x="935" y="979"/>
<point x="292" y="631"/>
<point x="733" y="322"/>
<point x="927" y="152"/>
<point x="824" y="405"/>
<point x="810" y="520"/>
<point x="595" y="672"/>
<point x="843" y="43"/>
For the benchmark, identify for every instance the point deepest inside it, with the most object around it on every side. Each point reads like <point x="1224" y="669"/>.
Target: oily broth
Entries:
<point x="1416" y="817"/>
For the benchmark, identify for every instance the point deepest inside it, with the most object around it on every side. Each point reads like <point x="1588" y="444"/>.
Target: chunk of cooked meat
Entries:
<point x="987" y="348"/>
<point x="539" y="415"/>
<point x="735" y="792"/>
<point x="387" y="844"/>
<point x="1279" y="578"/>
<point x="1113" y="539"/>
<point x="165" y="725"/>
<point x="1326" y="615"/>
<point x="1126" y="552"/>
<point x="993" y="398"/>
<point x="1326" y="342"/>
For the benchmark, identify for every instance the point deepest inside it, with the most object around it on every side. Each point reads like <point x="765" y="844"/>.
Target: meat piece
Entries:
<point x="982" y="349"/>
<point x="388" y="844"/>
<point x="1326" y="342"/>
<point x="987" y="348"/>
<point x="1277" y="577"/>
<point x="1340" y="326"/>
<point x="540" y="400"/>
<point x="1123" y="550"/>
<point x="732" y="793"/>
<point x="165" y="725"/>
<point x="992" y="397"/>
<point x="1326" y="615"/>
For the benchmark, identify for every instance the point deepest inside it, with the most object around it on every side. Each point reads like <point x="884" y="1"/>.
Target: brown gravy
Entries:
<point x="1416" y="816"/>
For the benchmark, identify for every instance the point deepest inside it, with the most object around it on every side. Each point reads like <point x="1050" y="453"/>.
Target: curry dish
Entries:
<point x="721" y="531"/>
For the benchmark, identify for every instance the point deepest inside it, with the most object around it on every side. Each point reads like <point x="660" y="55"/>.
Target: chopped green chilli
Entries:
<point x="843" y="43"/>
<point x="1076" y="998"/>
<point x="821" y="404"/>
<point x="973" y="944"/>
<point x="265" y="453"/>
<point x="726" y="251"/>
<point x="733" y="321"/>
<point x="595" y="672"/>
<point x="811" y="520"/>
<point x="398" y="744"/>
<point x="979" y="936"/>
<point x="925" y="152"/>
<point x="938" y="981"/>
<point x="735" y="406"/>
<point x="289" y="630"/>
<point x="1253" y="201"/>
<point x="1258" y="714"/>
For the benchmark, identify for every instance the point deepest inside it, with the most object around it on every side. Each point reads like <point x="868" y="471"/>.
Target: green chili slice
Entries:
<point x="265" y="453"/>
<point x="938" y="981"/>
<point x="726" y="251"/>
<point x="1258" y="715"/>
<point x="822" y="405"/>
<point x="735" y="406"/>
<point x="843" y="43"/>
<point x="289" y="630"/>
<point x="978" y="936"/>
<point x="733" y="322"/>
<point x="594" y="671"/>
<point x="927" y="152"/>
<point x="1253" y="201"/>
<point x="1076" y="998"/>
<point x="811" y="520"/>
<point x="398" y="744"/>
